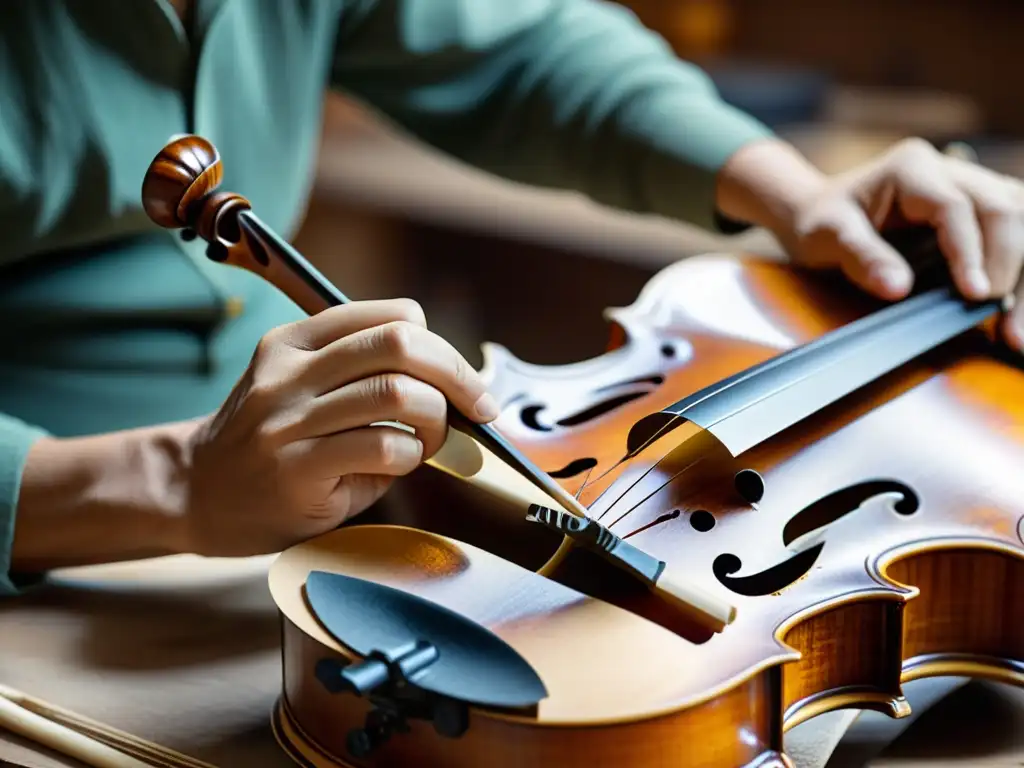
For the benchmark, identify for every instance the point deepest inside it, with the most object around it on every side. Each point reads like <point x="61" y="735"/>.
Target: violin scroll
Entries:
<point x="178" y="186"/>
<point x="180" y="191"/>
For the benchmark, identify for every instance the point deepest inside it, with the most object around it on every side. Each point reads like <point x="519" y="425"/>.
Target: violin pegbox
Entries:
<point x="181" y="191"/>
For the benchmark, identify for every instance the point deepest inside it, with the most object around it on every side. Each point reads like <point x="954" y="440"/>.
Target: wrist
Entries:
<point x="103" y="498"/>
<point x="766" y="184"/>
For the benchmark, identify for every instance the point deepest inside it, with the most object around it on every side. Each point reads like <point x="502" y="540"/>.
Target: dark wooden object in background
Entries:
<point x="970" y="47"/>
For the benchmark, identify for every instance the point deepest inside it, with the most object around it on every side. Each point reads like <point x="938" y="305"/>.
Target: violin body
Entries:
<point x="884" y="543"/>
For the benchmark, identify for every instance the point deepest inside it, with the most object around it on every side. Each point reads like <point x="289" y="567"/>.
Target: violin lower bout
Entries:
<point x="312" y="726"/>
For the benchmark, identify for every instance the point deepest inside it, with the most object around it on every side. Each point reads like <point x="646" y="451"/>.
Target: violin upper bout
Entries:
<point x="185" y="172"/>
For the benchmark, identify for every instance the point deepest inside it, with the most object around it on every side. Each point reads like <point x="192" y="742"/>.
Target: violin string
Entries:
<point x="664" y="429"/>
<point x="622" y="495"/>
<point x="627" y="489"/>
<point x="631" y="486"/>
<point x="657" y="521"/>
<point x="620" y="462"/>
<point x="587" y="482"/>
<point x="583" y="487"/>
<point x="651" y="494"/>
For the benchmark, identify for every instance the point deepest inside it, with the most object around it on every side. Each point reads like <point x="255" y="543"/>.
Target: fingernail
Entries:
<point x="413" y="449"/>
<point x="893" y="279"/>
<point x="487" y="407"/>
<point x="978" y="284"/>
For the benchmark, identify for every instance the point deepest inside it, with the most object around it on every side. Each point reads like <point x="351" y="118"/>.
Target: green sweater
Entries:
<point x="109" y="323"/>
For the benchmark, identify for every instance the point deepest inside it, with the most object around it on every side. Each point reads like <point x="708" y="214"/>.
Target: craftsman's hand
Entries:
<point x="835" y="221"/>
<point x="292" y="452"/>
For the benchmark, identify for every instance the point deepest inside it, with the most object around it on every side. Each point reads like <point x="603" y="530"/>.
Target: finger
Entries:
<point x="357" y="492"/>
<point x="403" y="348"/>
<point x="1004" y="250"/>
<point x="867" y="260"/>
<point x="999" y="202"/>
<point x="387" y="397"/>
<point x="928" y="195"/>
<point x="335" y="323"/>
<point x="1012" y="325"/>
<point x="376" y="450"/>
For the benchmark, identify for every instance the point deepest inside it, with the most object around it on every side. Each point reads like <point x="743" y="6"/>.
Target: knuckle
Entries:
<point x="410" y="311"/>
<point x="999" y="209"/>
<point x="825" y="221"/>
<point x="273" y="345"/>
<point x="917" y="148"/>
<point x="268" y="438"/>
<point x="853" y="243"/>
<point x="265" y="439"/>
<point x="391" y="391"/>
<point x="390" y="448"/>
<point x="1001" y="204"/>
<point x="437" y="407"/>
<point x="262" y="396"/>
<point x="953" y="204"/>
<point x="387" y="448"/>
<point x="396" y="339"/>
<point x="268" y="345"/>
<point x="463" y="373"/>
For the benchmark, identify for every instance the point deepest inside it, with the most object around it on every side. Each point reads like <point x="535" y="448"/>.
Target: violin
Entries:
<point x="786" y="498"/>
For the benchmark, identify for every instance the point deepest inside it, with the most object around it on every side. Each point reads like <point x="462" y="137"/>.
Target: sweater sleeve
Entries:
<point x="568" y="94"/>
<point x="16" y="438"/>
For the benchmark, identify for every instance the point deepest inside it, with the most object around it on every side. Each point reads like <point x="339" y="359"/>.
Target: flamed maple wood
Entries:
<point x="888" y="543"/>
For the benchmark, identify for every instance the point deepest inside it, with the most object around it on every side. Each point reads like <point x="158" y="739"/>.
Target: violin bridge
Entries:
<point x="711" y="610"/>
<point x="598" y="538"/>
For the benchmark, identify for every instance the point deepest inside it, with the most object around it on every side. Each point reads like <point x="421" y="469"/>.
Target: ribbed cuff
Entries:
<point x="16" y="438"/>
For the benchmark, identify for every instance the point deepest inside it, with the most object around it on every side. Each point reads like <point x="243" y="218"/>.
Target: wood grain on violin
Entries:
<point x="884" y="539"/>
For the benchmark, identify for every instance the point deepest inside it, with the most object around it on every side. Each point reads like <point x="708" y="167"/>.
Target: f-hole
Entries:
<point x="823" y="512"/>
<point x="530" y="415"/>
<point x="573" y="468"/>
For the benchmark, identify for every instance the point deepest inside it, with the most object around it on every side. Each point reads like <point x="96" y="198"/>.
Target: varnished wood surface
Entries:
<point x="911" y="471"/>
<point x="599" y="683"/>
<point x="947" y="430"/>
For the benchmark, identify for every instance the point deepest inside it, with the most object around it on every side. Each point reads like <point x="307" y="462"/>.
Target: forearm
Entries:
<point x="574" y="94"/>
<point x="103" y="498"/>
<point x="765" y="184"/>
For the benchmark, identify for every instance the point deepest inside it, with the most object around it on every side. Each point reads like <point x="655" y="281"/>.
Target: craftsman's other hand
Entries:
<point x="297" y="447"/>
<point x="838" y="221"/>
<point x="977" y="214"/>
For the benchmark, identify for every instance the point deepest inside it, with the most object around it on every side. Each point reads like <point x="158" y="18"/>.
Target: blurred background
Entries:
<point x="842" y="79"/>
